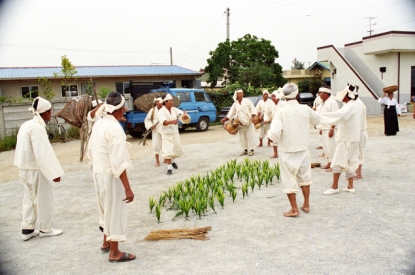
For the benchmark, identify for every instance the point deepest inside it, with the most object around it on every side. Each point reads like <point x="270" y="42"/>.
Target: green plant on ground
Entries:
<point x="8" y="142"/>
<point x="197" y="193"/>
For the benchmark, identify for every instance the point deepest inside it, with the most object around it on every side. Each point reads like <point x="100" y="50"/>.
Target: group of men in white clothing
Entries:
<point x="343" y="136"/>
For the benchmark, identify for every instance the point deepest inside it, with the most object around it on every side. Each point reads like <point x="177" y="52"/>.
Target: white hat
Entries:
<point x="265" y="91"/>
<point x="324" y="90"/>
<point x="235" y="98"/>
<point x="94" y="103"/>
<point x="42" y="105"/>
<point x="168" y="97"/>
<point x="340" y="95"/>
<point x="278" y="93"/>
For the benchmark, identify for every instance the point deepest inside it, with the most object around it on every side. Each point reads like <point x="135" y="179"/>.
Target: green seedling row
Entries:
<point x="197" y="194"/>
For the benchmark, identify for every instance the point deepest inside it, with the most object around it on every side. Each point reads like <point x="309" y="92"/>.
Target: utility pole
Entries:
<point x="171" y="56"/>
<point x="370" y="25"/>
<point x="227" y="23"/>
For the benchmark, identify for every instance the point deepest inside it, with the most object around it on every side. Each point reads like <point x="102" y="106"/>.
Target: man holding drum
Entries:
<point x="261" y="108"/>
<point x="244" y="110"/>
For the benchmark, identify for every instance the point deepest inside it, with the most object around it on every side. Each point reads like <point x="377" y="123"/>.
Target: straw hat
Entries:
<point x="390" y="89"/>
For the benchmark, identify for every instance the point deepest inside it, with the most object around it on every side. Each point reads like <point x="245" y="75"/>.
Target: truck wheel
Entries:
<point x="135" y="134"/>
<point x="202" y="125"/>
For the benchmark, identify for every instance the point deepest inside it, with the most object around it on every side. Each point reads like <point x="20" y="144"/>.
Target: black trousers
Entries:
<point x="391" y="120"/>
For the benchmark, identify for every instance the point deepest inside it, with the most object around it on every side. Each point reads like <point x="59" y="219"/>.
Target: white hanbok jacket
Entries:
<point x="246" y="106"/>
<point x="34" y="151"/>
<point x="272" y="109"/>
<point x="108" y="147"/>
<point x="148" y="123"/>
<point x="330" y="105"/>
<point x="291" y="126"/>
<point x="348" y="120"/>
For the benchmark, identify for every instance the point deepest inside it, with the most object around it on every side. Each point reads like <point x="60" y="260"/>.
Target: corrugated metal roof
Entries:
<point x="96" y="71"/>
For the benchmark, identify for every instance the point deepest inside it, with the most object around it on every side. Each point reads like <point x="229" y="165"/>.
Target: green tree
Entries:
<point x="256" y="75"/>
<point x="103" y="92"/>
<point x="46" y="90"/>
<point x="297" y="65"/>
<point x="244" y="54"/>
<point x="310" y="86"/>
<point x="66" y="74"/>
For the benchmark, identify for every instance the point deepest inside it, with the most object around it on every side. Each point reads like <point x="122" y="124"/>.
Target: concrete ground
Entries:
<point x="370" y="232"/>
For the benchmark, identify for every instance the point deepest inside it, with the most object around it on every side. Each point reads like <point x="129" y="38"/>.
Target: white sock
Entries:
<point x="169" y="167"/>
<point x="172" y="160"/>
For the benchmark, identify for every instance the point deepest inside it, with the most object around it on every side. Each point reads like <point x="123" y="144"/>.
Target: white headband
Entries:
<point x="265" y="92"/>
<point x="292" y="95"/>
<point x="158" y="99"/>
<point x="168" y="97"/>
<point x="110" y="108"/>
<point x="324" y="90"/>
<point x="235" y="98"/>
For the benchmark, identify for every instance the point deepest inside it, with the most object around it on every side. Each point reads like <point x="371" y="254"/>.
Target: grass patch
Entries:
<point x="8" y="142"/>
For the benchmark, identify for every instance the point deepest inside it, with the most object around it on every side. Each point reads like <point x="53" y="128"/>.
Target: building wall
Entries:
<point x="342" y="75"/>
<point x="12" y="116"/>
<point x="12" y="88"/>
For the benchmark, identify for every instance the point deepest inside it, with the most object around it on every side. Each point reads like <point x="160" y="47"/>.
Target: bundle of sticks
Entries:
<point x="181" y="233"/>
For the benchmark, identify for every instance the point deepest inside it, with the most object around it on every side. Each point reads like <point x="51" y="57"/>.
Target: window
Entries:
<point x="86" y="89"/>
<point x="184" y="96"/>
<point x="122" y="87"/>
<point x="30" y="91"/>
<point x="201" y="97"/>
<point x="69" y="90"/>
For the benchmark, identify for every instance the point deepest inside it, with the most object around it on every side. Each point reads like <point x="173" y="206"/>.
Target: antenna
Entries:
<point x="370" y="25"/>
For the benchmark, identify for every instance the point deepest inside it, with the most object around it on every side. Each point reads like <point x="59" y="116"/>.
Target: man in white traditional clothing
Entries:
<point x="272" y="109"/>
<point x="244" y="110"/>
<point x="327" y="132"/>
<point x="169" y="117"/>
<point x="38" y="167"/>
<point x="152" y="122"/>
<point x="348" y="123"/>
<point x="363" y="134"/>
<point x="317" y="102"/>
<point x="261" y="108"/>
<point x="291" y="126"/>
<point x="108" y="152"/>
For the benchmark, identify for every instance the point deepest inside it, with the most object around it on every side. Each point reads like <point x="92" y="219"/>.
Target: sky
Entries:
<point x="135" y="32"/>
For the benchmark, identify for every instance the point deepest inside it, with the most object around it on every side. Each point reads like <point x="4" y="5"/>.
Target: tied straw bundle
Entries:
<point x="181" y="233"/>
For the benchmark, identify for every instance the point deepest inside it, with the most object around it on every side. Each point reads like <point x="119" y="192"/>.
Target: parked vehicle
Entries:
<point x="225" y="110"/>
<point x="196" y="102"/>
<point x="306" y="98"/>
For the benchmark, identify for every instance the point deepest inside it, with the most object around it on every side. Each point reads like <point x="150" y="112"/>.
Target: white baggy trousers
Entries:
<point x="247" y="136"/>
<point x="112" y="209"/>
<point x="37" y="200"/>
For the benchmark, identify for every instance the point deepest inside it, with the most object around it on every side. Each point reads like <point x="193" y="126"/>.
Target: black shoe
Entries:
<point x="174" y="165"/>
<point x="169" y="172"/>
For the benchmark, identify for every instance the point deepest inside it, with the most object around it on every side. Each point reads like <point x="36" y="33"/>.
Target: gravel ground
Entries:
<point x="370" y="232"/>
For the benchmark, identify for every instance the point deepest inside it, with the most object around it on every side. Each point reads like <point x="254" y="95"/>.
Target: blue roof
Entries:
<point x="10" y="73"/>
<point x="323" y="64"/>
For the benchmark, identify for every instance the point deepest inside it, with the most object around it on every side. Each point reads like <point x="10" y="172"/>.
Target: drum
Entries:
<point x="243" y="118"/>
<point x="258" y="120"/>
<point x="231" y="126"/>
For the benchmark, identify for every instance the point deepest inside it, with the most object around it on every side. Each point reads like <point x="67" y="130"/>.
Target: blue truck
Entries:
<point x="196" y="102"/>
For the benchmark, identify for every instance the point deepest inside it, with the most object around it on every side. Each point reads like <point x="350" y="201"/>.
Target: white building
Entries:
<point x="377" y="61"/>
